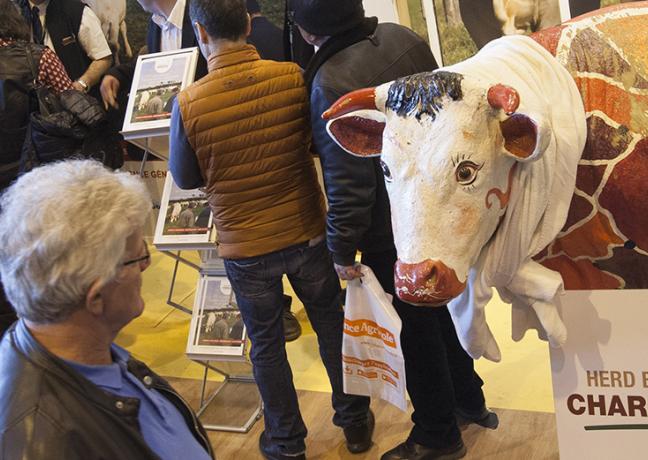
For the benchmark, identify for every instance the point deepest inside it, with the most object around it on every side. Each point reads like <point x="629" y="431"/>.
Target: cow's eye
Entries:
<point x="466" y="172"/>
<point x="386" y="171"/>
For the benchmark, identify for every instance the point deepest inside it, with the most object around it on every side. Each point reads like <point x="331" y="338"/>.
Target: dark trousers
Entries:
<point x="257" y="284"/>
<point x="440" y="375"/>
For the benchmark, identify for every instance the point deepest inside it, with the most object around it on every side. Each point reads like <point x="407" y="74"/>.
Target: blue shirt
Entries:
<point x="162" y="425"/>
<point x="183" y="162"/>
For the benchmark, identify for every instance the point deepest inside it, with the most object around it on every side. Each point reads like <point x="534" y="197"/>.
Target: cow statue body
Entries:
<point x="522" y="168"/>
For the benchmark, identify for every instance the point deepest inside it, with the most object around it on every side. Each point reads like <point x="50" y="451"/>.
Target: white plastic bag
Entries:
<point x="372" y="356"/>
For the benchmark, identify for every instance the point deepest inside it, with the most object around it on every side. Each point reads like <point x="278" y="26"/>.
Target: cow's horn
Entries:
<point x="503" y="97"/>
<point x="356" y="100"/>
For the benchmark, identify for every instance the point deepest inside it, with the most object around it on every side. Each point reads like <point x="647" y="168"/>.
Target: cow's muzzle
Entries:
<point x="427" y="283"/>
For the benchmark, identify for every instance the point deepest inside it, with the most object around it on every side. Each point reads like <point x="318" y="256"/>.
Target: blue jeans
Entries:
<point x="257" y="284"/>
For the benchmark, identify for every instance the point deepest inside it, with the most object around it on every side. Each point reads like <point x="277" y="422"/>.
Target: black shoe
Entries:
<point x="292" y="328"/>
<point x="409" y="450"/>
<point x="483" y="417"/>
<point x="271" y="452"/>
<point x="358" y="437"/>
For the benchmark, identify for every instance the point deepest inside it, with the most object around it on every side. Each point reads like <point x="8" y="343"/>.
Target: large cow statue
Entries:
<point x="522" y="168"/>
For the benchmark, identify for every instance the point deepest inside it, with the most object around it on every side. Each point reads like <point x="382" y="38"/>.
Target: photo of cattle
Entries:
<point x="187" y="213"/>
<point x="224" y="328"/>
<point x="219" y="321"/>
<point x="464" y="26"/>
<point x="160" y="80"/>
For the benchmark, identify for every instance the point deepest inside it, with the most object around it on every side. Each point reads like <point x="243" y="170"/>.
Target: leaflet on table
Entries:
<point x="185" y="219"/>
<point x="217" y="330"/>
<point x="157" y="80"/>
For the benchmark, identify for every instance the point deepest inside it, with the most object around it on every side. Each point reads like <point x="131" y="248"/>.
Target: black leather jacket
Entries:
<point x="16" y="82"/>
<point x="49" y="411"/>
<point x="358" y="215"/>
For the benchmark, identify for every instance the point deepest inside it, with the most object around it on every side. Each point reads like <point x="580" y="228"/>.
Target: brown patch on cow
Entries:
<point x="467" y="135"/>
<point x="581" y="274"/>
<point x="629" y="265"/>
<point x="549" y="38"/>
<point x="625" y="195"/>
<point x="599" y="95"/>
<point x="579" y="209"/>
<point x="629" y="34"/>
<point x="468" y="220"/>
<point x="590" y="52"/>
<point x="592" y="239"/>
<point x="603" y="141"/>
<point x="542" y="254"/>
<point x="588" y="178"/>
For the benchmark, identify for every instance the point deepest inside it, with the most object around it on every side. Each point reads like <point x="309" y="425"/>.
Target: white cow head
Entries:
<point x="449" y="147"/>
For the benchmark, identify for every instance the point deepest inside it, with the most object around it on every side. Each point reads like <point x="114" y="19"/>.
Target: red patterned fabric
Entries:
<point x="51" y="71"/>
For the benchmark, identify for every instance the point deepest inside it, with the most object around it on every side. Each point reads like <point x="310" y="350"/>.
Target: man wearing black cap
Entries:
<point x="355" y="52"/>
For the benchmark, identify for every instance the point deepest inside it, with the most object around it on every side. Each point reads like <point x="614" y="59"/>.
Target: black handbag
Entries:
<point x="70" y="125"/>
<point x="48" y="101"/>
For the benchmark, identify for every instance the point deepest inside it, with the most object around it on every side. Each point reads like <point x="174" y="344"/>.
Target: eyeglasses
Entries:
<point x="146" y="258"/>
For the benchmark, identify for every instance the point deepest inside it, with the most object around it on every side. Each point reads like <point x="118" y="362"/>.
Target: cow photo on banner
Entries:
<point x="465" y="26"/>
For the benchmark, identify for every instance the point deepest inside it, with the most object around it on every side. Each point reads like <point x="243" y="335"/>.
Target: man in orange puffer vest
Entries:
<point x="243" y="133"/>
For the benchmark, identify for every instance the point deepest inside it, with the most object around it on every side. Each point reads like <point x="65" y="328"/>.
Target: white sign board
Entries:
<point x="154" y="175"/>
<point x="600" y="376"/>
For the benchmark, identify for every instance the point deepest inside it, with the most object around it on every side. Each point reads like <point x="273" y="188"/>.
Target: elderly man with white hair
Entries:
<point x="71" y="261"/>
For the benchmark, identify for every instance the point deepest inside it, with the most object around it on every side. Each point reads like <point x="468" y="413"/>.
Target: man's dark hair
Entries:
<point x="12" y="24"/>
<point x="222" y="19"/>
<point x="253" y="6"/>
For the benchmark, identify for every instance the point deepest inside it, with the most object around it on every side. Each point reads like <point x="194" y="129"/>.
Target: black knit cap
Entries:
<point x="253" y="6"/>
<point x="328" y="17"/>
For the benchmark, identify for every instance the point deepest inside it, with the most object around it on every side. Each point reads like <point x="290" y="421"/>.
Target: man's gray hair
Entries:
<point x="62" y="227"/>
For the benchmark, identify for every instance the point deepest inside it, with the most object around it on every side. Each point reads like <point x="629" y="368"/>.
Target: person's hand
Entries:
<point x="76" y="85"/>
<point x="109" y="89"/>
<point x="348" y="272"/>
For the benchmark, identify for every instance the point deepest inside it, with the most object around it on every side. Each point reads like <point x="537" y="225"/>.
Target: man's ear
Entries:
<point x="203" y="36"/>
<point x="248" y="27"/>
<point x="93" y="301"/>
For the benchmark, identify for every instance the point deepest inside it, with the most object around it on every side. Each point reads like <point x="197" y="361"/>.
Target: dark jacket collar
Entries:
<point x="337" y="43"/>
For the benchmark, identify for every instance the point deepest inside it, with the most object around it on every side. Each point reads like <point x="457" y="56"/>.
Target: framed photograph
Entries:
<point x="185" y="219"/>
<point x="217" y="330"/>
<point x="459" y="28"/>
<point x="158" y="78"/>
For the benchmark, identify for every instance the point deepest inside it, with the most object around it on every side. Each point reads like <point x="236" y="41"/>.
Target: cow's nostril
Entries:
<point x="432" y="277"/>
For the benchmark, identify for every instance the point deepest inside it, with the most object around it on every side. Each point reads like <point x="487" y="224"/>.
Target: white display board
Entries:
<point x="600" y="376"/>
<point x="385" y="10"/>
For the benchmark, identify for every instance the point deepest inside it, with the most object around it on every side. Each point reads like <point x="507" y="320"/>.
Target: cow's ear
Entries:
<point x="359" y="133"/>
<point x="524" y="137"/>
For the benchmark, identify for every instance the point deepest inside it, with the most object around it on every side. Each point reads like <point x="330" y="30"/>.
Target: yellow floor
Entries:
<point x="521" y="381"/>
